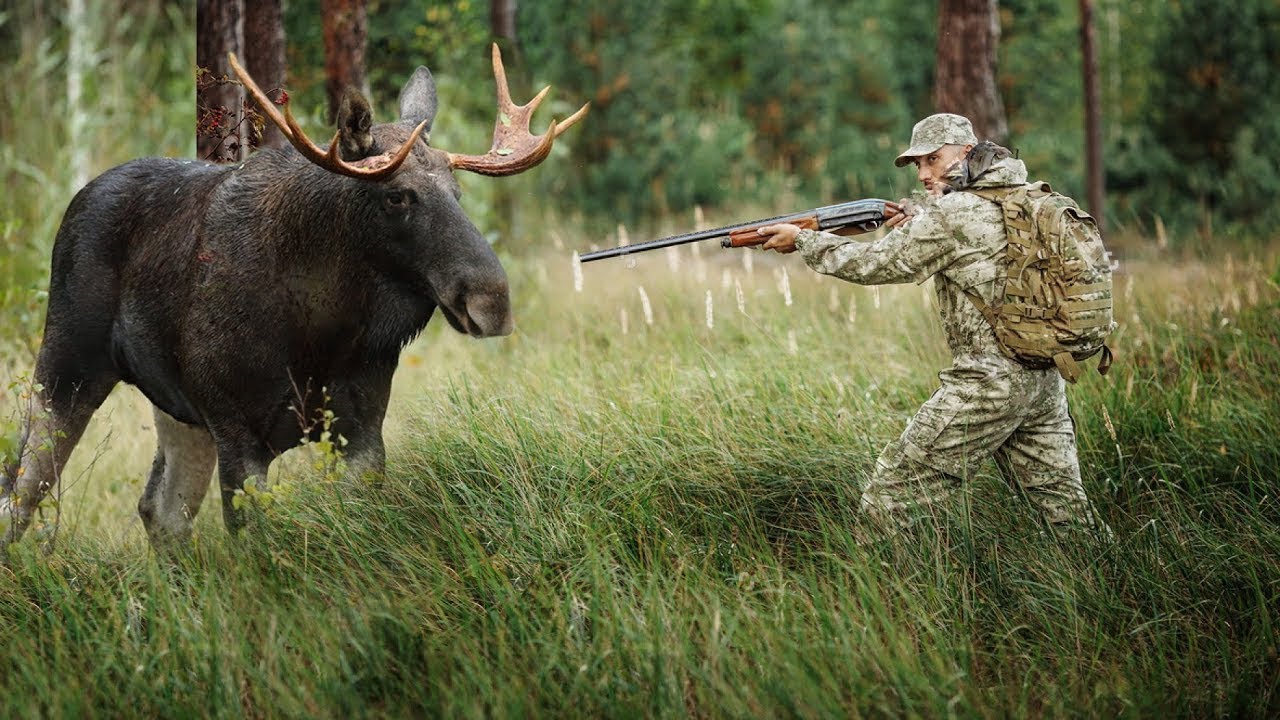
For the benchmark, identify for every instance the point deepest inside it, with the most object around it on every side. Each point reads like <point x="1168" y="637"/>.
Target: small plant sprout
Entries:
<point x="645" y="307"/>
<point x="1106" y="419"/>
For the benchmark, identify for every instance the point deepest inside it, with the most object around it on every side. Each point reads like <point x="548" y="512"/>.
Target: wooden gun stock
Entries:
<point x="747" y="237"/>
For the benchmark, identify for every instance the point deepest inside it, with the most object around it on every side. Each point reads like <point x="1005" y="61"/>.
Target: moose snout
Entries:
<point x="488" y="314"/>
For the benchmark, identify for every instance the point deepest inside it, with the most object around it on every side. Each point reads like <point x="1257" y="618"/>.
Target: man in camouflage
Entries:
<point x="988" y="406"/>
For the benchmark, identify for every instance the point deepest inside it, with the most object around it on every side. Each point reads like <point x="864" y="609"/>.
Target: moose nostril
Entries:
<point x="490" y="314"/>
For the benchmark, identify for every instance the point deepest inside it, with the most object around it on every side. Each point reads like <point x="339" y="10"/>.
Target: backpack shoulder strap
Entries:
<point x="1034" y="190"/>
<point x="996" y="195"/>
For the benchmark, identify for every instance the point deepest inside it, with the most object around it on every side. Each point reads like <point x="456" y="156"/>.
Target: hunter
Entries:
<point x="989" y="405"/>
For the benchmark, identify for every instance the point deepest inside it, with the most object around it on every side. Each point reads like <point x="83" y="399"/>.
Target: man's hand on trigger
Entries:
<point x="782" y="237"/>
<point x="897" y="213"/>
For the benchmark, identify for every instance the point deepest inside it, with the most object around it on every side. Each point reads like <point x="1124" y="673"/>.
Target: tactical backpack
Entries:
<point x="1053" y="301"/>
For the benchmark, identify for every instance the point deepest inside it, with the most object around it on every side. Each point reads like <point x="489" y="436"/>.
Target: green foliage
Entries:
<point x="1042" y="88"/>
<point x="1204" y="145"/>
<point x="692" y="108"/>
<point x="827" y="108"/>
<point x="1209" y="92"/>
<point x="450" y="38"/>
<point x="135" y="102"/>
<point x="824" y="93"/>
<point x="722" y="103"/>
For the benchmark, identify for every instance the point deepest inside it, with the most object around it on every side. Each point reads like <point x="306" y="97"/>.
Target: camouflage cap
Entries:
<point x="935" y="131"/>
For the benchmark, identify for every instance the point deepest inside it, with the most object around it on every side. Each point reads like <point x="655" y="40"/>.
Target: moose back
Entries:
<point x="240" y="299"/>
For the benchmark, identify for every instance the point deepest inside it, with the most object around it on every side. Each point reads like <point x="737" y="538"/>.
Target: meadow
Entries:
<point x="644" y="503"/>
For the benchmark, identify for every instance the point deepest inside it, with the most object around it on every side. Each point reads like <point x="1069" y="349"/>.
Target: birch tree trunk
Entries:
<point x="79" y="53"/>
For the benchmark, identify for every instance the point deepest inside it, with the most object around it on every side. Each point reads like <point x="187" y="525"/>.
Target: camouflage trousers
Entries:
<point x="986" y="410"/>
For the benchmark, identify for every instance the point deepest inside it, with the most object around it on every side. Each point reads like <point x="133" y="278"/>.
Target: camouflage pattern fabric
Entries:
<point x="988" y="406"/>
<point x="1019" y="419"/>
<point x="935" y="131"/>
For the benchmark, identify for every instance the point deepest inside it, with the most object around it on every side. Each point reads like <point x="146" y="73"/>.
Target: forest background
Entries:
<point x="735" y="102"/>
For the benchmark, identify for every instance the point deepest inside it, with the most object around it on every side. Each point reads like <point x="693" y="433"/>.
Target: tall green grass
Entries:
<point x="582" y="521"/>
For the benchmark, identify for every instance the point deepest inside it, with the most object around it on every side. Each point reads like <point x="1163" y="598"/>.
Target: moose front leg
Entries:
<point x="239" y="458"/>
<point x="362" y="407"/>
<point x="366" y="460"/>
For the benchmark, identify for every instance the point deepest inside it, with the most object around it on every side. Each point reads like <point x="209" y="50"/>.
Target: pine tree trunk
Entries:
<point x="219" y="102"/>
<point x="502" y="19"/>
<point x="346" y="32"/>
<point x="1095" y="174"/>
<point x="264" y="58"/>
<point x="965" y="80"/>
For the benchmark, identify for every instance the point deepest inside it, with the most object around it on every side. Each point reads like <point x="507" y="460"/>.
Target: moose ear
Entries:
<point x="355" y="123"/>
<point x="418" y="99"/>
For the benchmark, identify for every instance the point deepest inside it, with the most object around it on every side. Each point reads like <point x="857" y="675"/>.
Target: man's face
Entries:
<point x="932" y="168"/>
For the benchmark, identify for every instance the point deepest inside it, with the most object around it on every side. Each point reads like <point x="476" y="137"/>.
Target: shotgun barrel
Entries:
<point x="865" y="215"/>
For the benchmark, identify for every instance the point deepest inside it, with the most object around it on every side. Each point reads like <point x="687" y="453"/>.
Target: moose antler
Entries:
<point x="515" y="148"/>
<point x="378" y="167"/>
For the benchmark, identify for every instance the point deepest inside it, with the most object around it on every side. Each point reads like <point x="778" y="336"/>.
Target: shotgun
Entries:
<point x="856" y="215"/>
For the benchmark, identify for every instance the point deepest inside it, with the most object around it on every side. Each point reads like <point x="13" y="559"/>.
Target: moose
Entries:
<point x="240" y="298"/>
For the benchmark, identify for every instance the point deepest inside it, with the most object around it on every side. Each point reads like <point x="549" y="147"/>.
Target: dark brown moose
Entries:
<point x="237" y="297"/>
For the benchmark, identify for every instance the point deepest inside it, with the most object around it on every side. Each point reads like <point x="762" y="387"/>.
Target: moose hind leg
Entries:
<point x="179" y="479"/>
<point x="55" y="418"/>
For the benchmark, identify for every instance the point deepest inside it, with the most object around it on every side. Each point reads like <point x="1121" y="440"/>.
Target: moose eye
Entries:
<point x="397" y="199"/>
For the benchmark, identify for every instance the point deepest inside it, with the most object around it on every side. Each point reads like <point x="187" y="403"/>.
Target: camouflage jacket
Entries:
<point x="958" y="239"/>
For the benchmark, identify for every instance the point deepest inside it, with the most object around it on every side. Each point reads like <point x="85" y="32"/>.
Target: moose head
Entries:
<point x="420" y="214"/>
<point x="243" y="300"/>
